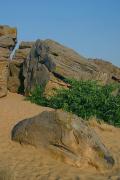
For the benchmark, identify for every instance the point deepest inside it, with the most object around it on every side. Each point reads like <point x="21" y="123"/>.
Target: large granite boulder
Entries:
<point x="4" y="52"/>
<point x="34" y="69"/>
<point x="65" y="136"/>
<point x="61" y="62"/>
<point x="3" y="77"/>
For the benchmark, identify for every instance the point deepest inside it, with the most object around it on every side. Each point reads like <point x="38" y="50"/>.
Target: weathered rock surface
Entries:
<point x="23" y="51"/>
<point x="16" y="79"/>
<point x="34" y="70"/>
<point x="4" y="52"/>
<point x="8" y="31"/>
<point x="66" y="136"/>
<point x="3" y="77"/>
<point x="107" y="67"/>
<point x="7" y="43"/>
<point x="8" y="37"/>
<point x="49" y="63"/>
<point x="61" y="63"/>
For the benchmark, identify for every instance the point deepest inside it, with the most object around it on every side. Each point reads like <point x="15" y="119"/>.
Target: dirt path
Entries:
<point x="20" y="162"/>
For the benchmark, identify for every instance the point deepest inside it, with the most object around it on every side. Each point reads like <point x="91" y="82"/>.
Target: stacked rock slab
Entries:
<point x="109" y="68"/>
<point x="7" y="40"/>
<point x="50" y="63"/>
<point x="7" y="44"/>
<point x="16" y="79"/>
<point x="22" y="52"/>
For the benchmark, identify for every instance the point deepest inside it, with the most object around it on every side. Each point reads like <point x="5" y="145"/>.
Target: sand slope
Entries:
<point x="22" y="162"/>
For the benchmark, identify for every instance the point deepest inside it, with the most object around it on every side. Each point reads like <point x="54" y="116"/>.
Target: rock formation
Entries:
<point x="46" y="63"/>
<point x="16" y="79"/>
<point x="66" y="136"/>
<point x="3" y="77"/>
<point x="7" y="44"/>
<point x="23" y="51"/>
<point x="7" y="41"/>
<point x="107" y="67"/>
<point x="61" y="62"/>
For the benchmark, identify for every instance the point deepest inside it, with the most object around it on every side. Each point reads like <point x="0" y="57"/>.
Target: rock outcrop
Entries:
<point x="23" y="51"/>
<point x="7" y="44"/>
<point x="66" y="136"/>
<point x="3" y="77"/>
<point x="8" y="40"/>
<point x="16" y="79"/>
<point x="48" y="63"/>
<point x="61" y="62"/>
<point x="108" y="68"/>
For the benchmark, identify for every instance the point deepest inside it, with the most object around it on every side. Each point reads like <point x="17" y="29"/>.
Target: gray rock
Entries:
<point x="65" y="135"/>
<point x="34" y="70"/>
<point x="16" y="79"/>
<point x="64" y="62"/>
<point x="36" y="74"/>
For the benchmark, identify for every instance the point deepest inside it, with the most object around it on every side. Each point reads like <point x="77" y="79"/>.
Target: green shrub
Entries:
<point x="85" y="99"/>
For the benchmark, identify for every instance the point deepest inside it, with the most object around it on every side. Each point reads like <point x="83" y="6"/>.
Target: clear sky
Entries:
<point x="91" y="27"/>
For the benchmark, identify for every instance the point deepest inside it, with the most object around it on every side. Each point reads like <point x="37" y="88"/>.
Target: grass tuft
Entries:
<point x="85" y="99"/>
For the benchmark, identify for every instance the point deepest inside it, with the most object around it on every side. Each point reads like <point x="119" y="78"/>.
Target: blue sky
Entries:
<point x="91" y="27"/>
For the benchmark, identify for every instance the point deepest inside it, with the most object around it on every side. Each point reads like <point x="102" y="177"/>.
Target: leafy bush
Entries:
<point x="85" y="99"/>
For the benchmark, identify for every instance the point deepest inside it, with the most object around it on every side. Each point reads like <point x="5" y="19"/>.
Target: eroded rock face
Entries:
<point x="34" y="69"/>
<point x="23" y="51"/>
<point x="107" y="67"/>
<point x="61" y="62"/>
<point x="16" y="79"/>
<point x="3" y="77"/>
<point x="8" y="39"/>
<point x="66" y="136"/>
<point x="7" y="44"/>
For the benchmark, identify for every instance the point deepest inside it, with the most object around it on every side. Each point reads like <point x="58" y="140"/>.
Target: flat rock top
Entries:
<point x="29" y="163"/>
<point x="26" y="44"/>
<point x="8" y="31"/>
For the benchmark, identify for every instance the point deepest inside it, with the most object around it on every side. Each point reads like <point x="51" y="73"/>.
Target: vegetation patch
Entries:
<point x="85" y="99"/>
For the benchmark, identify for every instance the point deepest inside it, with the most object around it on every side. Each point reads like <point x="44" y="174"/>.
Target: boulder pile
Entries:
<point x="8" y="40"/>
<point x="7" y="43"/>
<point x="16" y="79"/>
<point x="46" y="63"/>
<point x="49" y="63"/>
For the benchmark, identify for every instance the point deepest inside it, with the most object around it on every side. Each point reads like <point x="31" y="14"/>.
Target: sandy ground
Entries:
<point x="23" y="162"/>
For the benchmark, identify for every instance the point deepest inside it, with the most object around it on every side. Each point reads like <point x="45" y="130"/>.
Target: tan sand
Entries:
<point x="23" y="162"/>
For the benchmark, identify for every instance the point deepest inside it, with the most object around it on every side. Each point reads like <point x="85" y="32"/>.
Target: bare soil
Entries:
<point x="24" y="162"/>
